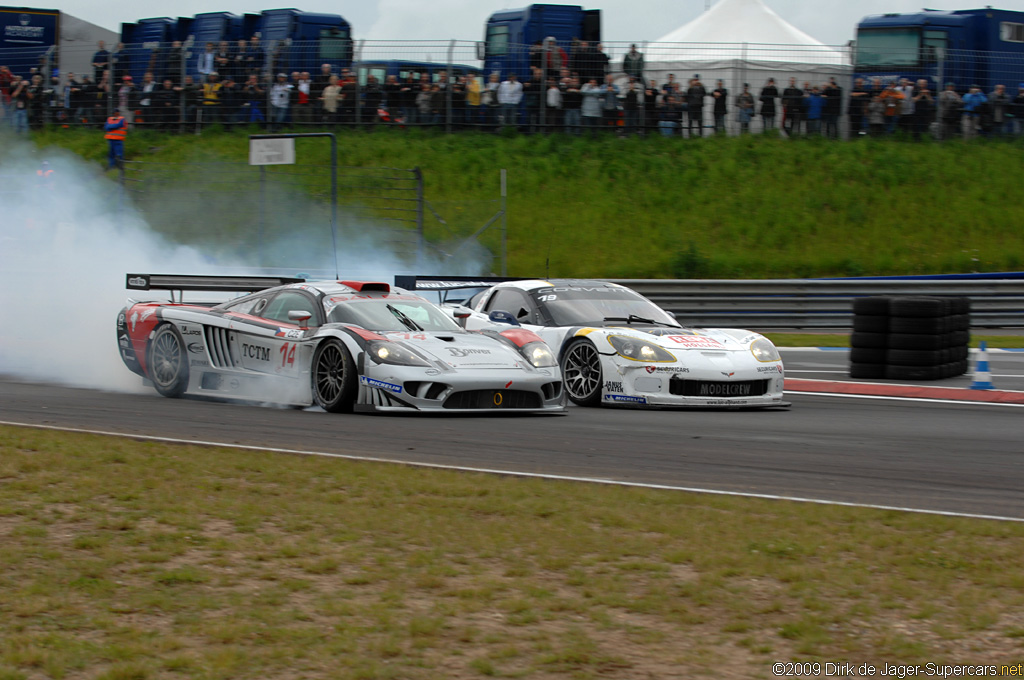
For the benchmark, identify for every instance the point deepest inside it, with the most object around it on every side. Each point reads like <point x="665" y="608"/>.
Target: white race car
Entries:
<point x="343" y="345"/>
<point x="616" y="347"/>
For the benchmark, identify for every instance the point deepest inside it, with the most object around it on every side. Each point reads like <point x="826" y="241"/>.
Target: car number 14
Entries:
<point x="288" y="354"/>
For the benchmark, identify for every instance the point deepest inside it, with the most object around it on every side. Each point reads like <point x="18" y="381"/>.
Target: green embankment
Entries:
<point x="751" y="207"/>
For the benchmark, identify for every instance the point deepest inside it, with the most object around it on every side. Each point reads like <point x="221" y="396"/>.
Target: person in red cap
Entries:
<point x="125" y="97"/>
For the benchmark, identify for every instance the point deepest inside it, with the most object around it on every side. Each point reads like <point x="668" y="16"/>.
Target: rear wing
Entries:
<point x="445" y="285"/>
<point x="217" y="284"/>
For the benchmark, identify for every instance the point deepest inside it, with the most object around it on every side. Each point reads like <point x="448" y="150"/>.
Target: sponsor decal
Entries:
<point x="199" y="363"/>
<point x="666" y="369"/>
<point x="777" y="368"/>
<point x="146" y="313"/>
<point x="123" y="341"/>
<point x="137" y="281"/>
<point x="23" y="30"/>
<point x="508" y="384"/>
<point x="234" y="384"/>
<point x="695" y="341"/>
<point x="625" y="398"/>
<point x="196" y="348"/>
<point x="291" y="333"/>
<point x="380" y="384"/>
<point x="134" y="320"/>
<point x="724" y="389"/>
<point x="255" y="352"/>
<point x="120" y="319"/>
<point x="459" y="352"/>
<point x="130" y="357"/>
<point x="611" y="386"/>
<point x="728" y="375"/>
<point x="430" y="285"/>
<point x="186" y="331"/>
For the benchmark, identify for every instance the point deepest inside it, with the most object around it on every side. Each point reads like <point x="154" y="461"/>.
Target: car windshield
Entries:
<point x="390" y="314"/>
<point x="597" y="306"/>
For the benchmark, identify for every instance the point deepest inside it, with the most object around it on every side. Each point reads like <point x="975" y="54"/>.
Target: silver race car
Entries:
<point x="343" y="345"/>
<point x="617" y="348"/>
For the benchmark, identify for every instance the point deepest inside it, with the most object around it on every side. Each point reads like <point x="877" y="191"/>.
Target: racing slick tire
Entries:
<point x="869" y="340"/>
<point x="872" y="305"/>
<point x="581" y="373"/>
<point x="167" y="361"/>
<point x="867" y="370"/>
<point x="334" y="377"/>
<point x="871" y="323"/>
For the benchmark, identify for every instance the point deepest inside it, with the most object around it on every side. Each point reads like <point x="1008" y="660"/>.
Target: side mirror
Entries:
<point x="300" y="317"/>
<point x="501" y="316"/>
<point x="461" y="314"/>
<point x="672" y="314"/>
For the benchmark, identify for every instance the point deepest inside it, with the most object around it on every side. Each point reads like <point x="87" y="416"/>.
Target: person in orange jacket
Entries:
<point x="115" y="132"/>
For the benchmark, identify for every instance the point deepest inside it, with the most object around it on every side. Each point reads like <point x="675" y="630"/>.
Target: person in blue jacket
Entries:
<point x="814" y="104"/>
<point x="974" y="102"/>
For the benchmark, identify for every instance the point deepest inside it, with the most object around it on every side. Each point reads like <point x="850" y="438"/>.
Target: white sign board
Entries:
<point x="272" y="151"/>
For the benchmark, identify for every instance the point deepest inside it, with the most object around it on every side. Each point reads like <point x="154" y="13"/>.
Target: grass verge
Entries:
<point x="141" y="560"/>
<point x="756" y="206"/>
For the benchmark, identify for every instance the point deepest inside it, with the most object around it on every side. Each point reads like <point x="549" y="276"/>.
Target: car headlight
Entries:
<point x="638" y="350"/>
<point x="538" y="354"/>
<point x="764" y="350"/>
<point x="394" y="353"/>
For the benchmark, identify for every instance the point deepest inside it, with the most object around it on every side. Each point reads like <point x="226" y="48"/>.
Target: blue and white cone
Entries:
<point x="982" y="376"/>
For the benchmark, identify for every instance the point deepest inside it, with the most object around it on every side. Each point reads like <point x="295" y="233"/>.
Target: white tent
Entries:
<point x="743" y="41"/>
<point x="750" y="22"/>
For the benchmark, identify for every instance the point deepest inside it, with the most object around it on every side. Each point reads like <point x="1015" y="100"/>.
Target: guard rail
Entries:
<point x="819" y="303"/>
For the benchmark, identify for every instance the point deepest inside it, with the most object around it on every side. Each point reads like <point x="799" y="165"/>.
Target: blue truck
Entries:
<point x="47" y="39"/>
<point x="965" y="47"/>
<point x="510" y="34"/>
<point x="292" y="39"/>
<point x="26" y="36"/>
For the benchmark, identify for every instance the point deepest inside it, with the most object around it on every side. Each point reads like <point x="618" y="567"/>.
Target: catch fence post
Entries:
<point x="504" y="226"/>
<point x="420" y="237"/>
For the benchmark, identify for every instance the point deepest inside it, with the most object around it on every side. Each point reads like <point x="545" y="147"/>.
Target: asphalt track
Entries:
<point x="942" y="455"/>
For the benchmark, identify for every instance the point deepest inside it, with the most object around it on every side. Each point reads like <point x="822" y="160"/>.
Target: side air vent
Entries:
<point x="219" y="345"/>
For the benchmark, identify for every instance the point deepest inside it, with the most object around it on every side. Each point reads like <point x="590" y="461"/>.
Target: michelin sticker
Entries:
<point x="370" y="382"/>
<point x="625" y="398"/>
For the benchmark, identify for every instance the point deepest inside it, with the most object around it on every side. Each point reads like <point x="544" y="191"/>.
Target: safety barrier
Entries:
<point x="821" y="303"/>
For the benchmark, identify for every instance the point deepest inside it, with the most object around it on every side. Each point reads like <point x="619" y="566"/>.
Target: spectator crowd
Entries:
<point x="579" y="92"/>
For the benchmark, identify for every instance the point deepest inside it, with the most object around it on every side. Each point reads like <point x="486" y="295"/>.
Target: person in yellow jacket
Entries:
<point x="115" y="132"/>
<point x="473" y="88"/>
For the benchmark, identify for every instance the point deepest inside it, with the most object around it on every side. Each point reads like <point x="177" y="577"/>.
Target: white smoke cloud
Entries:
<point x="67" y="242"/>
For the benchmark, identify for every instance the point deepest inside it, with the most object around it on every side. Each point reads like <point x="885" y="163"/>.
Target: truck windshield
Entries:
<point x="497" y="41"/>
<point x="888" y="47"/>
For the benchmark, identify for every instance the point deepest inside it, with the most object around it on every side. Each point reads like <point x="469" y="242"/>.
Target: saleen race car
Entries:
<point x="343" y="345"/>
<point x="616" y="347"/>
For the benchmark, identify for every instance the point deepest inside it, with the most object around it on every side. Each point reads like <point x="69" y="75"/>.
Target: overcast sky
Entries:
<point x="830" y="21"/>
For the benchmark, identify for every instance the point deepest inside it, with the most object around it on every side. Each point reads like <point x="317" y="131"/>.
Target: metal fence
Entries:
<point x="460" y="71"/>
<point x="808" y="303"/>
<point x="280" y="215"/>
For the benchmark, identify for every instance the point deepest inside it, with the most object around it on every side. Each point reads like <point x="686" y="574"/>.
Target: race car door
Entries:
<point x="267" y="341"/>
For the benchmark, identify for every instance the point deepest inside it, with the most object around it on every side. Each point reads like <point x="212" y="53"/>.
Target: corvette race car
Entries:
<point x="617" y="348"/>
<point x="343" y="345"/>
